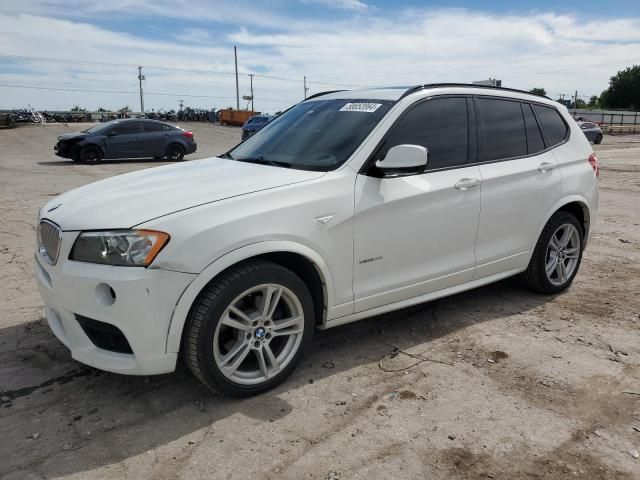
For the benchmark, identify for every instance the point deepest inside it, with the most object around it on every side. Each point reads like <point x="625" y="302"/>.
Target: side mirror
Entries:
<point x="404" y="160"/>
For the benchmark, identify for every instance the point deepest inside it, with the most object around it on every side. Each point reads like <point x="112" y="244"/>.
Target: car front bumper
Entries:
<point x="141" y="310"/>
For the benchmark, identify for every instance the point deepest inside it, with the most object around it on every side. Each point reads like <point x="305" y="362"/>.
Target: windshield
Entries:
<point x="316" y="135"/>
<point x="101" y="127"/>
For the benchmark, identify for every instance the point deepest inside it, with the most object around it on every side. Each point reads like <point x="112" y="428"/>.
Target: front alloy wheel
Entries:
<point x="249" y="328"/>
<point x="258" y="334"/>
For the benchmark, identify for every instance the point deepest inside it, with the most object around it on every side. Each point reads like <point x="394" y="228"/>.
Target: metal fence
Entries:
<point x="607" y="117"/>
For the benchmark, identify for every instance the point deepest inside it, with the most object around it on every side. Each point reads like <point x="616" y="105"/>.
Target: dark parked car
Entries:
<point x="127" y="138"/>
<point x="592" y="131"/>
<point x="254" y="124"/>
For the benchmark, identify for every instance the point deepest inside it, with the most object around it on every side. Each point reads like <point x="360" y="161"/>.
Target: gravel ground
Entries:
<point x="493" y="383"/>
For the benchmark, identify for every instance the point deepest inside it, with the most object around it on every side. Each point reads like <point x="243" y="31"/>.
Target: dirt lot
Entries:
<point x="493" y="383"/>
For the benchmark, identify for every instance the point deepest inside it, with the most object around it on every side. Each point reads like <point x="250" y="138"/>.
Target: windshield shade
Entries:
<point x="314" y="135"/>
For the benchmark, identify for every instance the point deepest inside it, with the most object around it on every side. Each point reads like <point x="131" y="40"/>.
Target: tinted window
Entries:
<point x="535" y="143"/>
<point x="153" y="127"/>
<point x="503" y="132"/>
<point x="553" y="126"/>
<point x="441" y="126"/>
<point x="127" y="127"/>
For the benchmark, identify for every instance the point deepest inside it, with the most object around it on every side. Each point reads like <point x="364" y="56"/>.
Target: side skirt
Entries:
<point x="445" y="292"/>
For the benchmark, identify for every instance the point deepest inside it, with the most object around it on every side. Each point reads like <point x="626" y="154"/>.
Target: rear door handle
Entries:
<point x="546" y="167"/>
<point x="466" y="183"/>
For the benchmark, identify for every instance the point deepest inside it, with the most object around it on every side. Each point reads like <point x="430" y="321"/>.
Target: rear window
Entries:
<point x="502" y="132"/>
<point x="553" y="126"/>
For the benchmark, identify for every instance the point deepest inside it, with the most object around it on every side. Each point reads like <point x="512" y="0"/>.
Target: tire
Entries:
<point x="598" y="139"/>
<point x="536" y="277"/>
<point x="246" y="353"/>
<point x="91" y="155"/>
<point x="175" y="153"/>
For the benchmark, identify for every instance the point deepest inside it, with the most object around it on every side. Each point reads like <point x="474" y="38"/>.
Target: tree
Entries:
<point x="593" y="102"/>
<point x="624" y="90"/>
<point x="580" y="103"/>
<point x="538" y="91"/>
<point x="76" y="108"/>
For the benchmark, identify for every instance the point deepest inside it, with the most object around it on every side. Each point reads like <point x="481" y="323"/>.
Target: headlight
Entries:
<point x="132" y="248"/>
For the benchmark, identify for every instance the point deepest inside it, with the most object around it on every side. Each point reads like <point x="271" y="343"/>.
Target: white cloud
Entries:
<point x="561" y="53"/>
<point x="341" y="4"/>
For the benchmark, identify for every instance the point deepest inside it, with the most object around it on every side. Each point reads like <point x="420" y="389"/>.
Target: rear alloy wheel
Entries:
<point x="91" y="155"/>
<point x="175" y="153"/>
<point x="247" y="332"/>
<point x="557" y="255"/>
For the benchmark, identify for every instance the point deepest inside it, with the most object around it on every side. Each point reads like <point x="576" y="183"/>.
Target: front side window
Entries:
<point x="502" y="132"/>
<point x="126" y="127"/>
<point x="440" y="125"/>
<point x="313" y="135"/>
<point x="553" y="127"/>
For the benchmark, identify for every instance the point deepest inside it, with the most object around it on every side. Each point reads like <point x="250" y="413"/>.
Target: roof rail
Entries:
<point x="319" y="94"/>
<point x="466" y="85"/>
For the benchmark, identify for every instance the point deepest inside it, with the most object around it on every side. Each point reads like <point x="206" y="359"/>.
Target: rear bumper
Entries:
<point x="144" y="301"/>
<point x="191" y="148"/>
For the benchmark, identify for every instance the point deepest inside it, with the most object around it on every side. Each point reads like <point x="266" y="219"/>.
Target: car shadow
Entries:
<point x="59" y="415"/>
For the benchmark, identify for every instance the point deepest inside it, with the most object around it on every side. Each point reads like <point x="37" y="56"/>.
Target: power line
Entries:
<point x="121" y="92"/>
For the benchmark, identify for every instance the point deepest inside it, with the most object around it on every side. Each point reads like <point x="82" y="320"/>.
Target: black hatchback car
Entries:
<point x="127" y="138"/>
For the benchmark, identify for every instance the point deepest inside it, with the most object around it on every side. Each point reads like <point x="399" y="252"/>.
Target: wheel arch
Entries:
<point x="574" y="204"/>
<point x="300" y="259"/>
<point x="84" y="144"/>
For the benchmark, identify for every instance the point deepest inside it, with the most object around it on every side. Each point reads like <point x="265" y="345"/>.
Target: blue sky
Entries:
<point x="335" y="43"/>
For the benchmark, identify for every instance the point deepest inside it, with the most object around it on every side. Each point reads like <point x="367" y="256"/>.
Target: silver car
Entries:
<point x="592" y="131"/>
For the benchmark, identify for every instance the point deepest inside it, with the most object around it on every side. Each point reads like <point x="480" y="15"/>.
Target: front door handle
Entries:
<point x="546" y="167"/>
<point x="466" y="183"/>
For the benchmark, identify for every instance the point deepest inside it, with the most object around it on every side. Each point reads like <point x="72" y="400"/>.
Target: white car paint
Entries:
<point x="378" y="244"/>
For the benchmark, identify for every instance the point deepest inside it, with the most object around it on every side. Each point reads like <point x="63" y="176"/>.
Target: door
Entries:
<point x="520" y="184"/>
<point x="153" y="140"/>
<point x="415" y="234"/>
<point x="123" y="140"/>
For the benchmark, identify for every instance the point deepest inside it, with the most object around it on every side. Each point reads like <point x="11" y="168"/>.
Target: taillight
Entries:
<point x="593" y="161"/>
<point x="189" y="135"/>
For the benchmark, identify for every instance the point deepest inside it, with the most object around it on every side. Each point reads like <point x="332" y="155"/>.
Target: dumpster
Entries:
<point x="235" y="117"/>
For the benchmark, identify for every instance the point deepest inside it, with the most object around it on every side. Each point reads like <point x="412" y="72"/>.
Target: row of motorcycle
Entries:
<point x="28" y="115"/>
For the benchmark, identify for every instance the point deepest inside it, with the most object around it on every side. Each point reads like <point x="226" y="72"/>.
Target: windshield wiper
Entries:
<point x="226" y="155"/>
<point x="264" y="161"/>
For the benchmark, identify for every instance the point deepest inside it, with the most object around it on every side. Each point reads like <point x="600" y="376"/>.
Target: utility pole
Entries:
<point x="235" y="55"/>
<point x="181" y="104"/>
<point x="305" y="87"/>
<point x="575" y="100"/>
<point x="251" y="80"/>
<point x="140" y="78"/>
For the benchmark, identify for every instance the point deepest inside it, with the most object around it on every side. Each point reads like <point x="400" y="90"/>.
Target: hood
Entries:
<point x="71" y="136"/>
<point x="133" y="198"/>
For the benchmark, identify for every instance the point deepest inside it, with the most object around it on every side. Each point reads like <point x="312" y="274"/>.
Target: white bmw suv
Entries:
<point x="348" y="205"/>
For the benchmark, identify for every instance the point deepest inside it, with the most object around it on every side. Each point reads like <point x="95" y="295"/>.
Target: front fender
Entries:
<point x="182" y="308"/>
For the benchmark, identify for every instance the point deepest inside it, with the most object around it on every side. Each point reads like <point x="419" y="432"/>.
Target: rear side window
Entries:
<point x="502" y="132"/>
<point x="153" y="127"/>
<point x="535" y="143"/>
<point x="553" y="127"/>
<point x="441" y="126"/>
